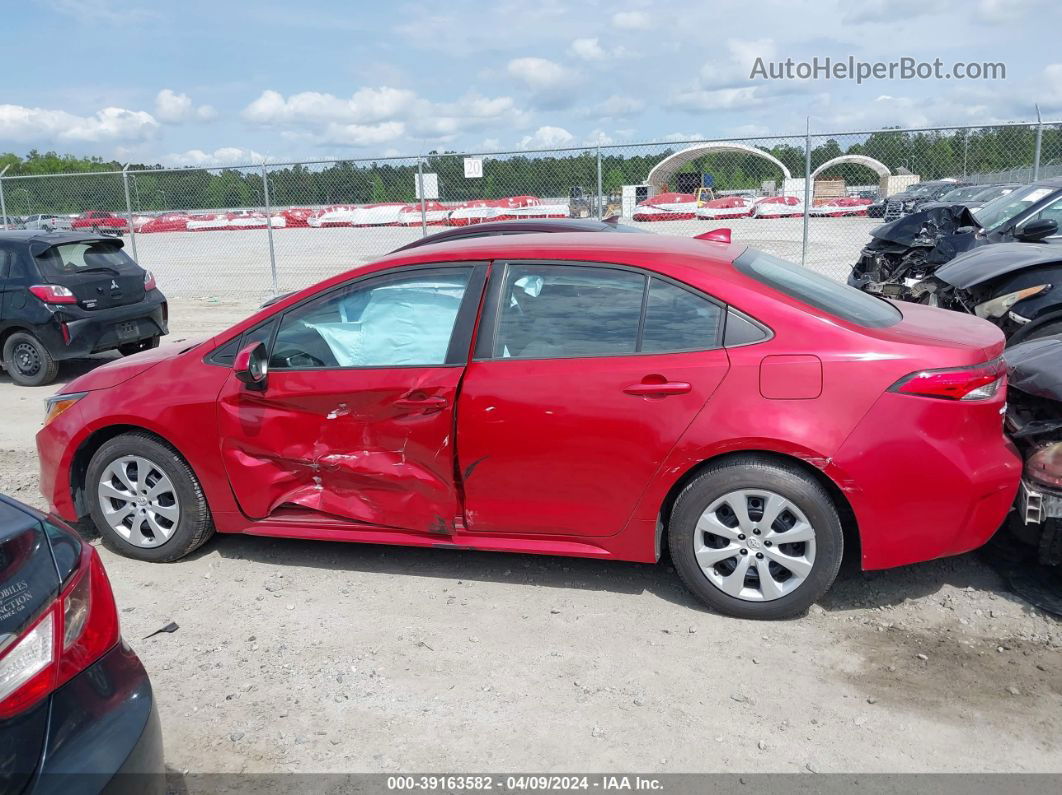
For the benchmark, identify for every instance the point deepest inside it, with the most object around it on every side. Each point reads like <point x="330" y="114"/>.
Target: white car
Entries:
<point x="46" y="223"/>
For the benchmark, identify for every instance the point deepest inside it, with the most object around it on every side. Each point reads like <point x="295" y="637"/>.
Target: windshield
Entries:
<point x="999" y="211"/>
<point x="961" y="194"/>
<point x="84" y="256"/>
<point x="923" y="190"/>
<point x="818" y="291"/>
<point x="996" y="190"/>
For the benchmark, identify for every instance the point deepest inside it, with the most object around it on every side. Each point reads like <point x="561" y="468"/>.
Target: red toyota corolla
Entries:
<point x="578" y="394"/>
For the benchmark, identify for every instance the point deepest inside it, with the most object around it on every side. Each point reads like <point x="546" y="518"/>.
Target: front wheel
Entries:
<point x="145" y="500"/>
<point x="27" y="361"/>
<point x="754" y="538"/>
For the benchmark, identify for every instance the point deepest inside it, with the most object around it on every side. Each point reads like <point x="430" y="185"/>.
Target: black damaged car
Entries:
<point x="77" y="712"/>
<point x="906" y="251"/>
<point x="65" y="295"/>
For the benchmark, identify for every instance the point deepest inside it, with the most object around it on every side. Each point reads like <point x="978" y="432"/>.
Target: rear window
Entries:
<point x="85" y="256"/>
<point x="818" y="291"/>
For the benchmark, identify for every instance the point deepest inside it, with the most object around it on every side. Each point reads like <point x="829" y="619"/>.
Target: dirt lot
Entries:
<point x="205" y="264"/>
<point x="298" y="656"/>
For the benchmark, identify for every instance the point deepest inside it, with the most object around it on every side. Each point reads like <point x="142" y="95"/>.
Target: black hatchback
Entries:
<point x="65" y="295"/>
<point x="77" y="713"/>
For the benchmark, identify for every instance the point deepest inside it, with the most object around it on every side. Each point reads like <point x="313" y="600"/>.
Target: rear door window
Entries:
<point x="821" y="292"/>
<point x="574" y="311"/>
<point x="679" y="320"/>
<point x="565" y="311"/>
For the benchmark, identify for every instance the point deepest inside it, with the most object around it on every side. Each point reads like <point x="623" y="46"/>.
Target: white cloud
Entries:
<point x="539" y="73"/>
<point x="598" y="138"/>
<point x="32" y="125"/>
<point x="362" y="134"/>
<point x="366" y="105"/>
<point x="103" y="12"/>
<point x="177" y="108"/>
<point x="224" y="156"/>
<point x="698" y="99"/>
<point x="551" y="85"/>
<point x="616" y="106"/>
<point x="683" y="136"/>
<point x="588" y="50"/>
<point x="888" y="11"/>
<point x="373" y="116"/>
<point x="547" y="138"/>
<point x="632" y="20"/>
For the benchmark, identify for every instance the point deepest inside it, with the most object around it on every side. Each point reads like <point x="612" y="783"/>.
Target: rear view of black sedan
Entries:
<point x="65" y="295"/>
<point x="76" y="709"/>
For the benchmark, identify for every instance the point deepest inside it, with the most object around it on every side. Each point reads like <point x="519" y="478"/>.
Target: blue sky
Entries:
<point x="207" y="83"/>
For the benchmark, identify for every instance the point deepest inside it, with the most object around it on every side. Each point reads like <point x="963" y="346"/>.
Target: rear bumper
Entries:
<point x="104" y="732"/>
<point x="941" y="490"/>
<point x="97" y="330"/>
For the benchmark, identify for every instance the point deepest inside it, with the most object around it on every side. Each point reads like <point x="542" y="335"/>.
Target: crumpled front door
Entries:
<point x="369" y="445"/>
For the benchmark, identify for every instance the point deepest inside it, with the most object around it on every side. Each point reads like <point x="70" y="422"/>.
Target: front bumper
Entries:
<point x="94" y="331"/>
<point x="104" y="732"/>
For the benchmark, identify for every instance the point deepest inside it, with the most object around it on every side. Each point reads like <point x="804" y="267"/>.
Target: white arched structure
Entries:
<point x="662" y="172"/>
<point x="861" y="160"/>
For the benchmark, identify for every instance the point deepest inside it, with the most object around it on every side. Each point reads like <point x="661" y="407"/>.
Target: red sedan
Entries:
<point x="579" y="394"/>
<point x="99" y="221"/>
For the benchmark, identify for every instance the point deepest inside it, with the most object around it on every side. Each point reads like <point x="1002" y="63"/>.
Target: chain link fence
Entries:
<point x="251" y="231"/>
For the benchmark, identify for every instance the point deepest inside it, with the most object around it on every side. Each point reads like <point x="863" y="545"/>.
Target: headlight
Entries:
<point x="57" y="404"/>
<point x="998" y="307"/>
<point x="1045" y="465"/>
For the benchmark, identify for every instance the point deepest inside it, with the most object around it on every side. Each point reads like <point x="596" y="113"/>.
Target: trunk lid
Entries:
<point x="97" y="271"/>
<point x="972" y="339"/>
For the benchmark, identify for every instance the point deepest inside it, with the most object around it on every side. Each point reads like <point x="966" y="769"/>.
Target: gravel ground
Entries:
<point x="300" y="656"/>
<point x="186" y="263"/>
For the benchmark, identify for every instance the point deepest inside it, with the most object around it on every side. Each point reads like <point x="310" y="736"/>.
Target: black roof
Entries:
<point x="51" y="238"/>
<point x="518" y="227"/>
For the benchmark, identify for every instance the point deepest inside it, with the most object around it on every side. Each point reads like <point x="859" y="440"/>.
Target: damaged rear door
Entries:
<point x="356" y="418"/>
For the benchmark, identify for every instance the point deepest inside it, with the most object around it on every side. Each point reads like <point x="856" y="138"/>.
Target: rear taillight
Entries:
<point x="53" y="294"/>
<point x="149" y="281"/>
<point x="976" y="382"/>
<point x="69" y="636"/>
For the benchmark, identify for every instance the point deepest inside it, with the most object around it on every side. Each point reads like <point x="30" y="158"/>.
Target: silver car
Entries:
<point x="46" y="223"/>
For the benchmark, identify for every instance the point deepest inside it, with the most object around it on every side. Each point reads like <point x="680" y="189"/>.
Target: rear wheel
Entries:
<point x="27" y="361"/>
<point x="145" y="500"/>
<point x="754" y="538"/>
<point x="136" y="347"/>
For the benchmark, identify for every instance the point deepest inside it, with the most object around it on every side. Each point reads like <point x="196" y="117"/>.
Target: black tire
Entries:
<point x="754" y="472"/>
<point x="136" y="347"/>
<point x="27" y="361"/>
<point x="194" y="525"/>
<point x="95" y="230"/>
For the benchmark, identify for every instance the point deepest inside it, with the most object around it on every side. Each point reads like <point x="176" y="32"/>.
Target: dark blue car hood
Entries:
<point x="999" y="259"/>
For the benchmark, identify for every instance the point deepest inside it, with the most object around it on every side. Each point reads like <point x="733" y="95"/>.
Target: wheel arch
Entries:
<point x="8" y="331"/>
<point x="94" y="441"/>
<point x="849" y="524"/>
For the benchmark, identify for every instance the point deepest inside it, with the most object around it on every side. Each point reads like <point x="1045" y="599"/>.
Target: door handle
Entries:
<point x="658" y="390"/>
<point x="427" y="403"/>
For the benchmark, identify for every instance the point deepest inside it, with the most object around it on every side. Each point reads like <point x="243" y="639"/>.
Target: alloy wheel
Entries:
<point x="754" y="545"/>
<point x="139" y="501"/>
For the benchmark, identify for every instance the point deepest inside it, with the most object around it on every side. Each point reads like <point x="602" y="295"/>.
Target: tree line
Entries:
<point x="152" y="187"/>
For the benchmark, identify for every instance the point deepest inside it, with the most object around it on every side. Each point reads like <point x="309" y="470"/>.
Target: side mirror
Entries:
<point x="1037" y="230"/>
<point x="251" y="365"/>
